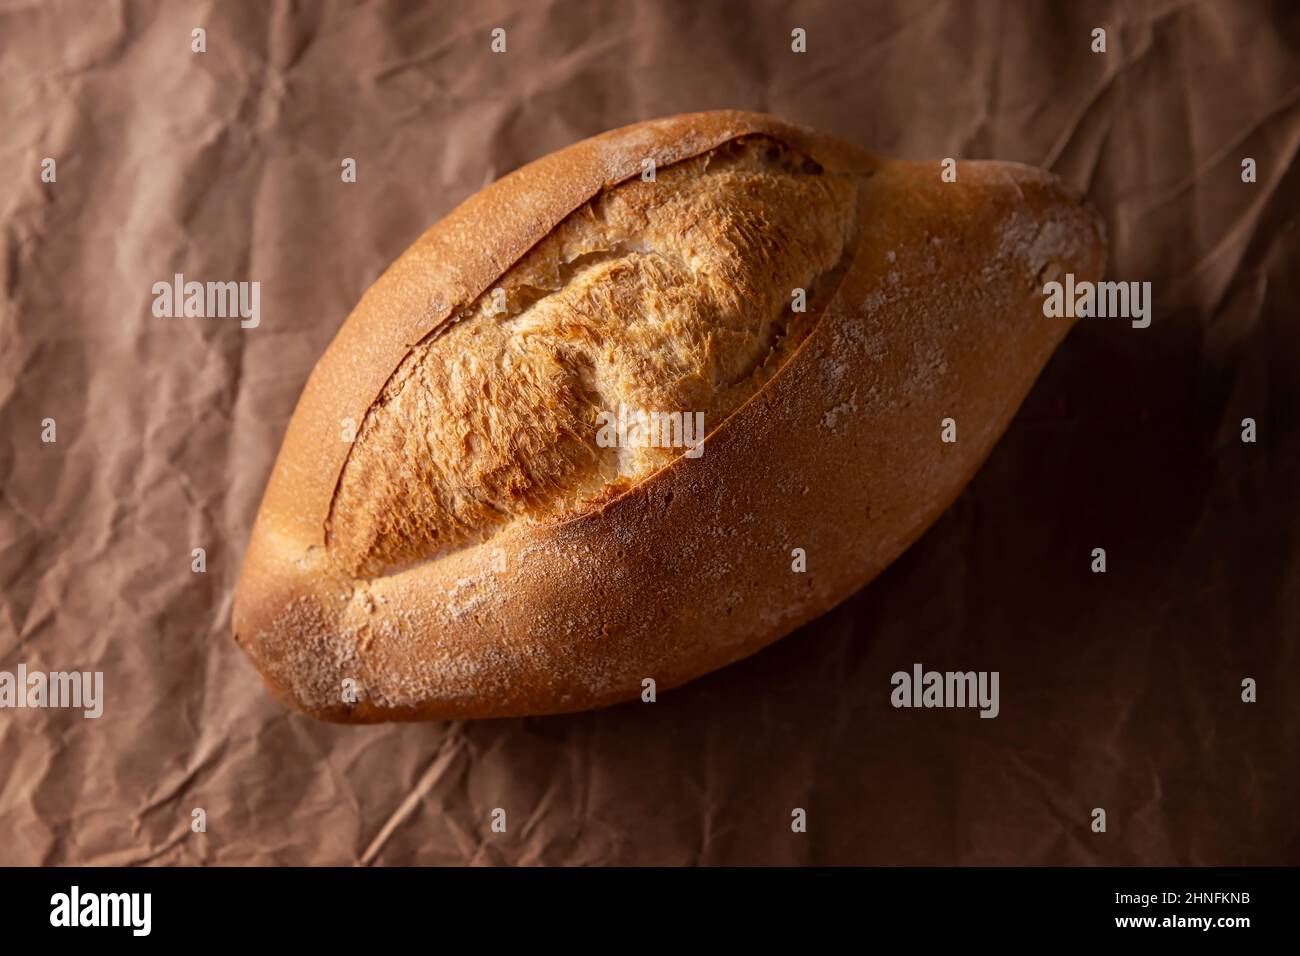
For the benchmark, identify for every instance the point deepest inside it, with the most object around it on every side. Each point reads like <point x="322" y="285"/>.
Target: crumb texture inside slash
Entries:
<point x="667" y="296"/>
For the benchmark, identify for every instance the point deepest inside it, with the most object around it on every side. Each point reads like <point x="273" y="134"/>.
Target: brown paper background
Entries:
<point x="1118" y="691"/>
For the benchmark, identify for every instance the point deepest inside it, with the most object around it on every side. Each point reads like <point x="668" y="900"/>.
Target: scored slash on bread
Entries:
<point x="474" y="552"/>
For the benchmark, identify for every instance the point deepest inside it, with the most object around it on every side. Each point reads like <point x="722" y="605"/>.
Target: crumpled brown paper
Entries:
<point x="1119" y="690"/>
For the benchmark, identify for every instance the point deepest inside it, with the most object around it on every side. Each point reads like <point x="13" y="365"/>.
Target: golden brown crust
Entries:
<point x="670" y="295"/>
<point x="939" y="315"/>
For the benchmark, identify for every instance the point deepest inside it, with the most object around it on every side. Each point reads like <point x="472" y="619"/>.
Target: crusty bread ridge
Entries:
<point x="664" y="294"/>
<point x="475" y="552"/>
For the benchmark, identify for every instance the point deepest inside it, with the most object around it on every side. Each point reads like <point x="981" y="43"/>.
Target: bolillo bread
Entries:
<point x="449" y="533"/>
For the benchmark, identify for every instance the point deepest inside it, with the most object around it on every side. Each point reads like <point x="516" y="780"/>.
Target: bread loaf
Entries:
<point x="459" y="524"/>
